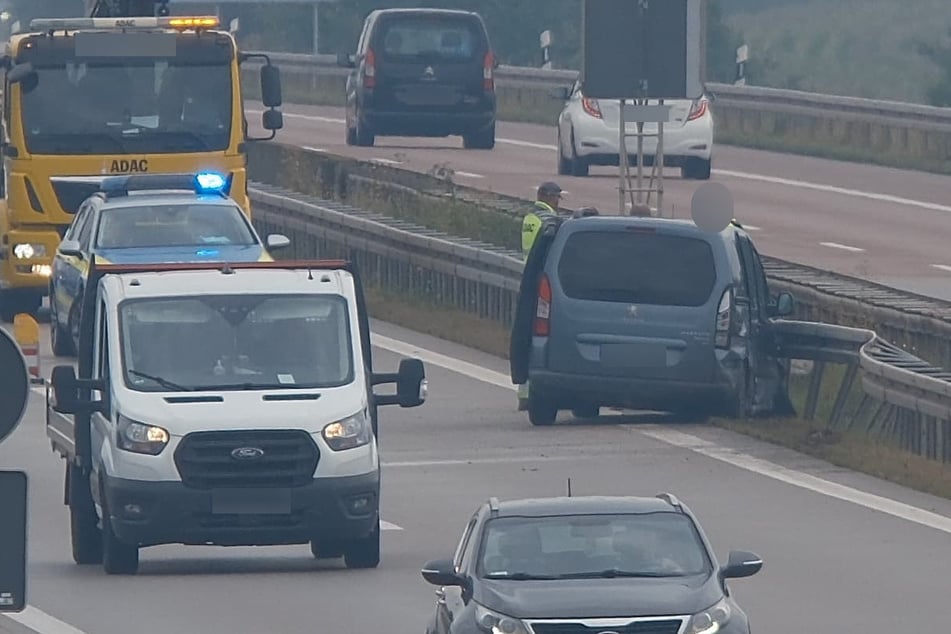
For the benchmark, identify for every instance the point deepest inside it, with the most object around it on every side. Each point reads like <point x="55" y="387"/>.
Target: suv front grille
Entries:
<point x="652" y="626"/>
<point x="287" y="458"/>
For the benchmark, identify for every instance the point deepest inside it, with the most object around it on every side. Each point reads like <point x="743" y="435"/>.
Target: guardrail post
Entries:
<point x="845" y="388"/>
<point x="812" y="398"/>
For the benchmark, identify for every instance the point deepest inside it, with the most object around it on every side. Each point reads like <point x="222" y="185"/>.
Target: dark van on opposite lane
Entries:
<point x="647" y="314"/>
<point x="421" y="73"/>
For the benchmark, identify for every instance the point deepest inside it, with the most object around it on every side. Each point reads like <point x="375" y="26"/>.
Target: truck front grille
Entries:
<point x="279" y="458"/>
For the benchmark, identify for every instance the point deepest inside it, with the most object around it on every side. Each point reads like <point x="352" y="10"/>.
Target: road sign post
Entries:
<point x="14" y="392"/>
<point x="641" y="50"/>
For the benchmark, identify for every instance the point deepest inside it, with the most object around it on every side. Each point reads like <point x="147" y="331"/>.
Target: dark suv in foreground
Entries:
<point x="421" y="73"/>
<point x="587" y="565"/>
<point x="647" y="314"/>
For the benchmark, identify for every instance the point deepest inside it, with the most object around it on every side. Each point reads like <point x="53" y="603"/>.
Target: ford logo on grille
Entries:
<point x="247" y="453"/>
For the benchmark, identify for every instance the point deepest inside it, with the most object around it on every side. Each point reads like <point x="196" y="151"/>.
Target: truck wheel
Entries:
<point x="365" y="552"/>
<point x="83" y="522"/>
<point x="117" y="558"/>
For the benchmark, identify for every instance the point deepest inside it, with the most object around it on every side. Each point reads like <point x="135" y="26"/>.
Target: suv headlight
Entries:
<point x="348" y="433"/>
<point x="496" y="623"/>
<point x="28" y="251"/>
<point x="711" y="620"/>
<point x="140" y="437"/>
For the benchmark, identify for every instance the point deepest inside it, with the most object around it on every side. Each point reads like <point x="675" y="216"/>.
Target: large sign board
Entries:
<point x="12" y="541"/>
<point x="14" y="384"/>
<point x="642" y="49"/>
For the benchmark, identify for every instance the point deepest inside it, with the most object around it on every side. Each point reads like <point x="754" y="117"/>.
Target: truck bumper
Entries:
<point x="153" y="513"/>
<point x="28" y="273"/>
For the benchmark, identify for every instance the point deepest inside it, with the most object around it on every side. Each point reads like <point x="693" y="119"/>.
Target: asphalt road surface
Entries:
<point x="876" y="223"/>
<point x="843" y="552"/>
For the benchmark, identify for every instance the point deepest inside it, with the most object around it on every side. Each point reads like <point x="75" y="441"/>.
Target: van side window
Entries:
<point x="756" y="277"/>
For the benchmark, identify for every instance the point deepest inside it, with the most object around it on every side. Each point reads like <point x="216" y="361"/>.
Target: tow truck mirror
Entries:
<point x="271" y="86"/>
<point x="272" y="120"/>
<point x="411" y="385"/>
<point x="71" y="248"/>
<point x="276" y="241"/>
<point x="65" y="389"/>
<point x="19" y="72"/>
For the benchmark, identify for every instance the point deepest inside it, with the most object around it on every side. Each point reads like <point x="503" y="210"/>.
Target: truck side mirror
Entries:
<point x="411" y="386"/>
<point x="272" y="120"/>
<point x="65" y="389"/>
<point x="19" y="72"/>
<point x="271" y="86"/>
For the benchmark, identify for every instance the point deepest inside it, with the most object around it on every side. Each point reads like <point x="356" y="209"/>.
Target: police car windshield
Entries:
<point x="590" y="546"/>
<point x="180" y="225"/>
<point x="127" y="106"/>
<point x="236" y="342"/>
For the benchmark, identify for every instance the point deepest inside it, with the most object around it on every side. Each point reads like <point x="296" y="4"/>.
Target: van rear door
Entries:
<point x="636" y="302"/>
<point x="429" y="60"/>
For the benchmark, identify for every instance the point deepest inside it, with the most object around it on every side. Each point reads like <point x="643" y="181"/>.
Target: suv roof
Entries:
<point x="593" y="504"/>
<point x="424" y="10"/>
<point x="687" y="226"/>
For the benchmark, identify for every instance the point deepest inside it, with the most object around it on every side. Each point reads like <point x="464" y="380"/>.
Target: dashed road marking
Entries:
<point x="386" y="161"/>
<point x="842" y="247"/>
<point x="943" y="267"/>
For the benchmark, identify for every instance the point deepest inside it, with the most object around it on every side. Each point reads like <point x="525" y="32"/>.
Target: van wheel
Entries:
<point x="586" y="411"/>
<point x="741" y="404"/>
<point x="696" y="169"/>
<point x="540" y="412"/>
<point x="364" y="552"/>
<point x="117" y="558"/>
<point x="83" y="522"/>
<point x="482" y="140"/>
<point x="364" y="135"/>
<point x="325" y="549"/>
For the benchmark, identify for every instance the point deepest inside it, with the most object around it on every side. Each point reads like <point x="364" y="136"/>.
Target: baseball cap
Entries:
<point x="549" y="188"/>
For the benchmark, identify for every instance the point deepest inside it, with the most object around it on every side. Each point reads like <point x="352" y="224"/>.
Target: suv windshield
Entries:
<point x="236" y="342"/>
<point x="433" y="37"/>
<point x="173" y="226"/>
<point x="651" y="545"/>
<point x="637" y="268"/>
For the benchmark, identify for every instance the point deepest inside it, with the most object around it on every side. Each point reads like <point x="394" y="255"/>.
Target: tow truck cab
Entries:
<point x="226" y="404"/>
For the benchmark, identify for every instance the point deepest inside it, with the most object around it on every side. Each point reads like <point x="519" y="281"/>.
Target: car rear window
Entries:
<point x="637" y="268"/>
<point x="430" y="37"/>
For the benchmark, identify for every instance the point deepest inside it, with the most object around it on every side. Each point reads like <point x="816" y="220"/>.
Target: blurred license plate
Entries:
<point x="251" y="501"/>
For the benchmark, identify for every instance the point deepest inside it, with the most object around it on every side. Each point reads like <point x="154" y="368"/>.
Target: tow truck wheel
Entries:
<point x="83" y="522"/>
<point x="364" y="553"/>
<point x="117" y="558"/>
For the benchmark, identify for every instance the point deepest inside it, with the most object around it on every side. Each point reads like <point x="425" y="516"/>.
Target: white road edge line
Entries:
<point x="843" y="247"/>
<point x="386" y="161"/>
<point x="39" y="621"/>
<point x="943" y="267"/>
<point x="389" y="526"/>
<point x="832" y="189"/>
<point x="469" y="175"/>
<point x="687" y="441"/>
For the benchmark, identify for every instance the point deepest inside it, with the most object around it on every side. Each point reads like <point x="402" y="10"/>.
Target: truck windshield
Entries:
<point x="236" y="342"/>
<point x="129" y="106"/>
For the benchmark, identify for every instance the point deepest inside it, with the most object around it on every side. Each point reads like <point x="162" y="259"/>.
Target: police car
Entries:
<point x="145" y="219"/>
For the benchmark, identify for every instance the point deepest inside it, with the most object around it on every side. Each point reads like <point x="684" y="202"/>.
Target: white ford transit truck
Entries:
<point x="223" y="404"/>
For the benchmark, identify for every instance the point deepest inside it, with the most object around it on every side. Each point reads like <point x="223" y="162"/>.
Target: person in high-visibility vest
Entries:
<point x="546" y="206"/>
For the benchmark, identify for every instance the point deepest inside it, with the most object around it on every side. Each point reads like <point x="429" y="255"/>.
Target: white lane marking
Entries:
<point x="698" y="445"/>
<point x="389" y="526"/>
<point x="39" y="621"/>
<point x="751" y="227"/>
<point x="468" y="174"/>
<point x="832" y="189"/>
<point x="943" y="267"/>
<point x="472" y="461"/>
<point x="386" y="161"/>
<point x="799" y="479"/>
<point x="843" y="247"/>
<point x="311" y="148"/>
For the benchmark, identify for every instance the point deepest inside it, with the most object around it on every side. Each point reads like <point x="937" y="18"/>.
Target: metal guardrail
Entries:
<point x="911" y="397"/>
<point x="754" y="97"/>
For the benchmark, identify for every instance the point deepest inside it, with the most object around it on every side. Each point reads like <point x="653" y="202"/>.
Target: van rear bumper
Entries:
<point x="152" y="513"/>
<point x="568" y="391"/>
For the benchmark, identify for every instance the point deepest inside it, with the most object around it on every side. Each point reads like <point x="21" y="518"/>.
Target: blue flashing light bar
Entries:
<point x="200" y="183"/>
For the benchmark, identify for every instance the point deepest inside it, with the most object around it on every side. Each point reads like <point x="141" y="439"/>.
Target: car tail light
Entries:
<point x="543" y="309"/>
<point x="369" y="69"/>
<point x="698" y="109"/>
<point x="724" y="320"/>
<point x="591" y="107"/>
<point x="488" y="72"/>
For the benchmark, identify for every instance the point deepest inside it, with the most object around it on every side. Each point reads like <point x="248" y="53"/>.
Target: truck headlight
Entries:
<point x="28" y="251"/>
<point x="490" y="621"/>
<point x="711" y="620"/>
<point x="140" y="437"/>
<point x="348" y="433"/>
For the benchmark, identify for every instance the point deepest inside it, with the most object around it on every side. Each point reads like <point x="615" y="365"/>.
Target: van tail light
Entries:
<point x="591" y="107"/>
<point x="369" y="69"/>
<point x="488" y="72"/>
<point x="698" y="109"/>
<point x="543" y="309"/>
<point x="724" y="325"/>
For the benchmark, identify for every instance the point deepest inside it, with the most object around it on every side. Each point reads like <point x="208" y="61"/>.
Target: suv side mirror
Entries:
<point x="65" y="389"/>
<point x="785" y="305"/>
<point x="344" y="60"/>
<point x="741" y="564"/>
<point x="442" y="573"/>
<point x="277" y="241"/>
<point x="411" y="385"/>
